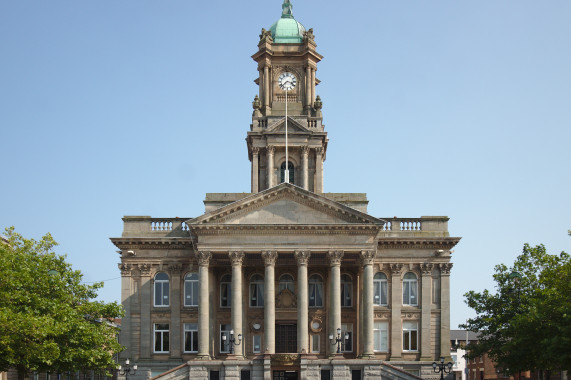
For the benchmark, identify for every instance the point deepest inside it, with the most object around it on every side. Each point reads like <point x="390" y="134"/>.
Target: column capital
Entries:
<point x="203" y="258"/>
<point x="426" y="268"/>
<point x="126" y="269"/>
<point x="319" y="150"/>
<point x="269" y="257"/>
<point x="445" y="269"/>
<point x="302" y="257"/>
<point x="334" y="258"/>
<point x="367" y="257"/>
<point x="304" y="150"/>
<point x="237" y="257"/>
<point x="396" y="269"/>
<point x="255" y="150"/>
<point x="145" y="269"/>
<point x="270" y="149"/>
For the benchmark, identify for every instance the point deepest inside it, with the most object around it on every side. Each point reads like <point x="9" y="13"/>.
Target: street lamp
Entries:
<point x="127" y="370"/>
<point x="441" y="367"/>
<point x="232" y="341"/>
<point x="337" y="341"/>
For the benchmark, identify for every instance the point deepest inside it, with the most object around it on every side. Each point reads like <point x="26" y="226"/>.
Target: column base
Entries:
<point x="203" y="357"/>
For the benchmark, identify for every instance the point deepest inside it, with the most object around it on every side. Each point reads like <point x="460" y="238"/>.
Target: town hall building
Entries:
<point x="286" y="281"/>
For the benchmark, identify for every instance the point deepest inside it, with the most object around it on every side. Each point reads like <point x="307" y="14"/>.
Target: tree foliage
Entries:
<point x="526" y="324"/>
<point x="49" y="320"/>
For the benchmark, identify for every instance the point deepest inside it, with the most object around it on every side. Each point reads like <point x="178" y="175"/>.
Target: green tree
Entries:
<point x="526" y="324"/>
<point x="49" y="320"/>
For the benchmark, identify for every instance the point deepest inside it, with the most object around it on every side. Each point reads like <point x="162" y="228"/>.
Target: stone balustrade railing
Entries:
<point x="424" y="224"/>
<point x="142" y="226"/>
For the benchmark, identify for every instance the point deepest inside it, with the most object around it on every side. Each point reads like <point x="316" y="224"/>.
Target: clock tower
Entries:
<point x="287" y="48"/>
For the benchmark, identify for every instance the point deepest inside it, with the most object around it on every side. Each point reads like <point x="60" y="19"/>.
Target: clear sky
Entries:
<point x="137" y="107"/>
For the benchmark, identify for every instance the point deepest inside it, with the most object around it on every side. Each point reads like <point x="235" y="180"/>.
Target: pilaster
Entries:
<point x="146" y="302"/>
<point x="270" y="150"/>
<point x="445" y="309"/>
<point x="425" y="335"/>
<point x="126" y="301"/>
<point x="304" y="167"/>
<point x="175" y="297"/>
<point x="396" y="306"/>
<point x="319" y="170"/>
<point x="255" y="169"/>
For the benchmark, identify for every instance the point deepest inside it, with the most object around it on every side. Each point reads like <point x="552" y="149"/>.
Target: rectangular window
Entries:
<point x="381" y="336"/>
<point x="346" y="291"/>
<point x="225" y="338"/>
<point x="257" y="295"/>
<point x="410" y="336"/>
<point x="436" y="291"/>
<point x="409" y="293"/>
<point x="190" y="337"/>
<point x="325" y="374"/>
<point x="316" y="295"/>
<point x="226" y="294"/>
<point x="161" y="337"/>
<point x="347" y="336"/>
<point x="257" y="344"/>
<point x="161" y="291"/>
<point x="315" y="344"/>
<point x="214" y="375"/>
<point x="245" y="374"/>
<point x="381" y="296"/>
<point x="191" y="293"/>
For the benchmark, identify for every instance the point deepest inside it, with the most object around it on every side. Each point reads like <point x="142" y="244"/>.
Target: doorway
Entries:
<point x="286" y="338"/>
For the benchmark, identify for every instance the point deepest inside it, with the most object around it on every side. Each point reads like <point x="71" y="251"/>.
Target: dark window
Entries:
<point x="226" y="291"/>
<point x="356" y="374"/>
<point x="214" y="375"/>
<point x="286" y="338"/>
<point x="325" y="374"/>
<point x="245" y="374"/>
<point x="282" y="172"/>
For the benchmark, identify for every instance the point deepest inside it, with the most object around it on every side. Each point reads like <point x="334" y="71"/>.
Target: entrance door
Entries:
<point x="285" y="375"/>
<point x="286" y="338"/>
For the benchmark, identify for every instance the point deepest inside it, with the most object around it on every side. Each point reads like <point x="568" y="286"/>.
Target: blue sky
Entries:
<point x="458" y="108"/>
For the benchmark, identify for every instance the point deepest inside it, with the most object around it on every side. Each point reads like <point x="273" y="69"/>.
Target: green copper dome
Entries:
<point x="286" y="29"/>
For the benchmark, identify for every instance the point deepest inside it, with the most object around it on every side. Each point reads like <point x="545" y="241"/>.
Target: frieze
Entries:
<point x="411" y="315"/>
<point x="418" y="243"/>
<point x="285" y="359"/>
<point x="382" y="315"/>
<point x="359" y="230"/>
<point x="136" y="244"/>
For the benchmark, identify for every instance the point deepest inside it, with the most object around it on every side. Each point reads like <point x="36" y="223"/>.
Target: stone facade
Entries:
<point x="280" y="270"/>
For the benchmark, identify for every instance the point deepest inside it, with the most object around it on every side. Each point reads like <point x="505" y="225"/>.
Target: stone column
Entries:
<point x="255" y="168"/>
<point x="445" y="309"/>
<point x="203" y="258"/>
<point x="175" y="296"/>
<point x="146" y="302"/>
<point x="270" y="149"/>
<point x="237" y="257"/>
<point x="319" y="170"/>
<point x="304" y="167"/>
<point x="334" y="258"/>
<point x="266" y="87"/>
<point x="126" y="300"/>
<point x="425" y="336"/>
<point x="269" y="258"/>
<point x="312" y="85"/>
<point x="302" y="258"/>
<point x="396" y="306"/>
<point x="367" y="258"/>
<point x="308" y="86"/>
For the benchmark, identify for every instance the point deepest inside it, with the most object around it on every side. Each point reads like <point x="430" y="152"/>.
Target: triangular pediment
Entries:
<point x="285" y="204"/>
<point x="292" y="126"/>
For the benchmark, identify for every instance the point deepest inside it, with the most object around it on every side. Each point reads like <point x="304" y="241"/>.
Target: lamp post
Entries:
<point x="127" y="370"/>
<point x="441" y="367"/>
<point x="337" y="341"/>
<point x="232" y="341"/>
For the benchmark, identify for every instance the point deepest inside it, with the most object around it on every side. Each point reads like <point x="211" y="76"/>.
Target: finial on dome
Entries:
<point x="286" y="9"/>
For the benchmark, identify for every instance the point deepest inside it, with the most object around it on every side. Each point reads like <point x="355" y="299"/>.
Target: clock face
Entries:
<point x="287" y="81"/>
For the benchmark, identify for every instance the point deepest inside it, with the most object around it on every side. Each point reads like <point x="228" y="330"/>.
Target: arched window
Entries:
<point x="257" y="291"/>
<point x="410" y="289"/>
<point x="381" y="289"/>
<point x="191" y="289"/>
<point x="315" y="291"/>
<point x="161" y="289"/>
<point x="286" y="282"/>
<point x="346" y="291"/>
<point x="226" y="291"/>
<point x="282" y="172"/>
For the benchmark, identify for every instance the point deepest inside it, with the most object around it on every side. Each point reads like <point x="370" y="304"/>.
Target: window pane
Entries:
<point x="319" y="295"/>
<point x="406" y="294"/>
<point x="384" y="293"/>
<point x="413" y="297"/>
<point x="413" y="346"/>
